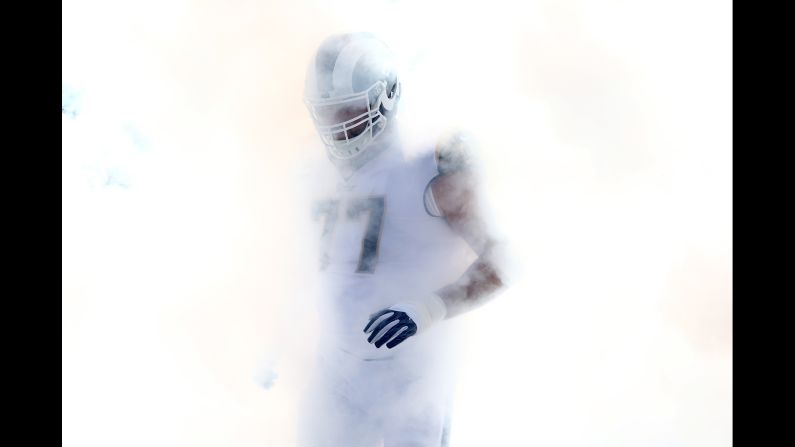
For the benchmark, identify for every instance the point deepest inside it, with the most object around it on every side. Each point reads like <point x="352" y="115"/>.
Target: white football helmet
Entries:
<point x="352" y="90"/>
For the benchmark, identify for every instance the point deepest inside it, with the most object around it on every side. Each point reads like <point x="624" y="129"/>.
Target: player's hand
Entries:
<point x="399" y="322"/>
<point x="391" y="327"/>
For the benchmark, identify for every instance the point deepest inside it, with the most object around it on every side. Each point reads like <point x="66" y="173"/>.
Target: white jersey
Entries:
<point x="379" y="246"/>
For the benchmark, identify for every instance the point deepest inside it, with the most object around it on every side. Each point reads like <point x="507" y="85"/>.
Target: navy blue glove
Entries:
<point x="392" y="328"/>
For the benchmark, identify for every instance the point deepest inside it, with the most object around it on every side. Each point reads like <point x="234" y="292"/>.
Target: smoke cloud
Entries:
<point x="604" y="159"/>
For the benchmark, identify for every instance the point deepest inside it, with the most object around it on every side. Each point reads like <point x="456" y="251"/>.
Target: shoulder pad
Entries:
<point x="454" y="152"/>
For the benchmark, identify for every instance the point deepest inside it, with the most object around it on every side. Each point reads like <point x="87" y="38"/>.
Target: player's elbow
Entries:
<point x="495" y="264"/>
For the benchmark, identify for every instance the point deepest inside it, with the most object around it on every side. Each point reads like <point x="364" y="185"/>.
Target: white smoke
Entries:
<point x="606" y="151"/>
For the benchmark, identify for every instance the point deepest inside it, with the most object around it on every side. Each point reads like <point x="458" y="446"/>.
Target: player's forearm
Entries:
<point x="476" y="286"/>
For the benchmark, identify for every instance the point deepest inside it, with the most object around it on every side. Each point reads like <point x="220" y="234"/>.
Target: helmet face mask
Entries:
<point x="348" y="124"/>
<point x="351" y="92"/>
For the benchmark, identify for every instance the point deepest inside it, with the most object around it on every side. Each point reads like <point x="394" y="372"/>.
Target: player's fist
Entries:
<point x="391" y="327"/>
<point x="399" y="322"/>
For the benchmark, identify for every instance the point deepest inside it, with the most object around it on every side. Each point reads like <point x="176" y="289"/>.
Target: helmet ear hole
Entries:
<point x="390" y="96"/>
<point x="393" y="90"/>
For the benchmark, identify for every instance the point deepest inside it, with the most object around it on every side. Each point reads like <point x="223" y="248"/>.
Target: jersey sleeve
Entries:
<point x="430" y="202"/>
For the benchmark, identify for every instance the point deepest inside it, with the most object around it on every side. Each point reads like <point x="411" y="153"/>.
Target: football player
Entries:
<point x="404" y="247"/>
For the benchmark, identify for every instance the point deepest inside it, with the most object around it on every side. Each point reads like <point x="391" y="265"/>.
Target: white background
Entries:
<point x="606" y="136"/>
